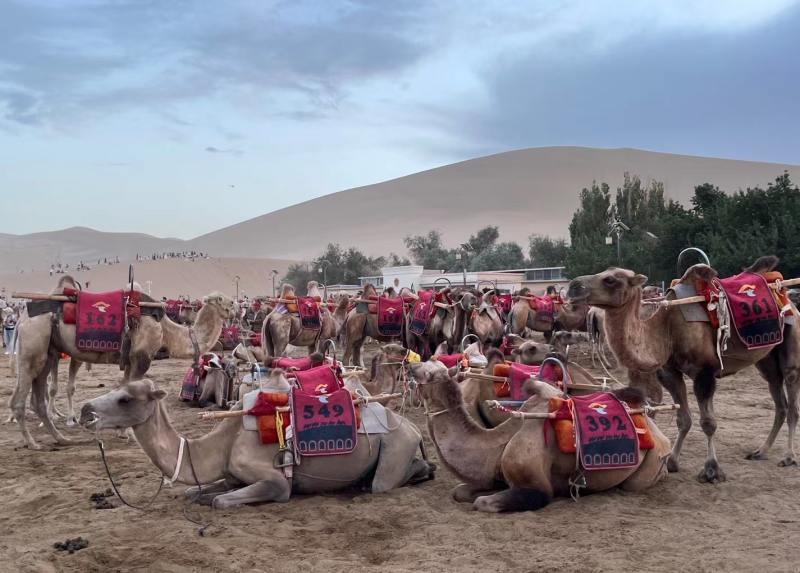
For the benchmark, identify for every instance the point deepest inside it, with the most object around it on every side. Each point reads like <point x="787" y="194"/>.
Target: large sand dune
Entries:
<point x="524" y="192"/>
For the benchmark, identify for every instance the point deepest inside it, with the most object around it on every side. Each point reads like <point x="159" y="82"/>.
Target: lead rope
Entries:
<point x="114" y="485"/>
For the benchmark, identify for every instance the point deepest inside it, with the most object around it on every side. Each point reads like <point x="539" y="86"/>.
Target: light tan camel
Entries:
<point x="570" y="316"/>
<point x="233" y="466"/>
<point x="666" y="343"/>
<point x="40" y="341"/>
<point x="484" y="320"/>
<point x="515" y="453"/>
<point x="279" y="330"/>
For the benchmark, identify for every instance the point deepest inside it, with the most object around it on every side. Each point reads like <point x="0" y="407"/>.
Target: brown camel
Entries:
<point x="484" y="320"/>
<point x="670" y="345"/>
<point x="280" y="329"/>
<point x="515" y="453"/>
<point x="425" y="343"/>
<point x="233" y="466"/>
<point x="568" y="316"/>
<point x="42" y="338"/>
<point x="359" y="325"/>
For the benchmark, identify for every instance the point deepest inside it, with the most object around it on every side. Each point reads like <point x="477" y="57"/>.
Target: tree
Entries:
<point x="546" y="251"/>
<point x="499" y="257"/>
<point x="427" y="250"/>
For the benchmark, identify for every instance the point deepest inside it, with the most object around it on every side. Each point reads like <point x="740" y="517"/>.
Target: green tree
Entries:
<point x="546" y="251"/>
<point x="498" y="257"/>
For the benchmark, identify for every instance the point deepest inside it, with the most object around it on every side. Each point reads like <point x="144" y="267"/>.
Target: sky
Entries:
<point x="178" y="118"/>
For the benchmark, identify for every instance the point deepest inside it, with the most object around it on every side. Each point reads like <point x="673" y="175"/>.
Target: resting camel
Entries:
<point x="235" y="468"/>
<point x="516" y="453"/>
<point x="483" y="320"/>
<point x="40" y="341"/>
<point x="279" y="330"/>
<point x="670" y="345"/>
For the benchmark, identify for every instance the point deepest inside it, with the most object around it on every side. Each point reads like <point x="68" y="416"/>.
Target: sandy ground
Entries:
<point x="749" y="523"/>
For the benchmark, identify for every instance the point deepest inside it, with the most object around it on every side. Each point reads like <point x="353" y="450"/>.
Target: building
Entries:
<point x="416" y="277"/>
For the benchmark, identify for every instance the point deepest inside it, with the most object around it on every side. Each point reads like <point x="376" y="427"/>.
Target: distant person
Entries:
<point x="9" y="324"/>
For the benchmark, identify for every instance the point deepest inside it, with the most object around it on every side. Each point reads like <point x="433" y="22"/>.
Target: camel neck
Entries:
<point x="161" y="442"/>
<point x="641" y="345"/>
<point x="178" y="341"/>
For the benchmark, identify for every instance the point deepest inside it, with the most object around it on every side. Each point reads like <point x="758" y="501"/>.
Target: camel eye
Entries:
<point x="124" y="400"/>
<point x="609" y="281"/>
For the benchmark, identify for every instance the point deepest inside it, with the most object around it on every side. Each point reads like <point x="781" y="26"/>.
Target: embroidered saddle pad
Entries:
<point x="606" y="434"/>
<point x="100" y="321"/>
<point x="323" y="424"/>
<point x="320" y="380"/>
<point x="292" y="363"/>
<point x="754" y="312"/>
<point x="390" y="316"/>
<point x="544" y="307"/>
<point x="190" y="386"/>
<point x="308" y="310"/>
<point x="422" y="312"/>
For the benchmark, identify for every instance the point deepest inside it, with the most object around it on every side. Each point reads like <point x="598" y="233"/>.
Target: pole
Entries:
<point x="619" y="250"/>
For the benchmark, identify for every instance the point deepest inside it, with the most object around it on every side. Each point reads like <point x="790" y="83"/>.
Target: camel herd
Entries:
<point x="502" y="455"/>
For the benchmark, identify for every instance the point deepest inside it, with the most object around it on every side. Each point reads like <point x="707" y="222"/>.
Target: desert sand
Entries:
<point x="523" y="192"/>
<point x="749" y="523"/>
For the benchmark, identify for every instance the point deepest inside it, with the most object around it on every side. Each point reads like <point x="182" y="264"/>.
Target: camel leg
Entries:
<point x="74" y="366"/>
<point x="52" y="391"/>
<point x="512" y="499"/>
<point x="792" y="390"/>
<point x="40" y="405"/>
<point x="275" y="488"/>
<point x="465" y="493"/>
<point x="397" y="464"/>
<point x="672" y="380"/>
<point x="705" y="384"/>
<point x="206" y="494"/>
<point x="770" y="370"/>
<point x="19" y="401"/>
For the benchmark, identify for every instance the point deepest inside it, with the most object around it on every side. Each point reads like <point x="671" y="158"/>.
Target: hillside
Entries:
<point x="523" y="192"/>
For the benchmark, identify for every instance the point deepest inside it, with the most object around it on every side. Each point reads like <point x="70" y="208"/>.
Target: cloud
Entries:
<point x="212" y="149"/>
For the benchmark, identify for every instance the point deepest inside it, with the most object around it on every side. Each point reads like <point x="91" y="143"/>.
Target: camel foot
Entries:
<point x="513" y="499"/>
<point x="423" y="471"/>
<point x="11" y="419"/>
<point x="711" y="473"/>
<point x="756" y="455"/>
<point x="672" y="464"/>
<point x="788" y="461"/>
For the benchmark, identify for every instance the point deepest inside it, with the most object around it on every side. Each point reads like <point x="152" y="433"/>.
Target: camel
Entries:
<point x="41" y="339"/>
<point x="669" y="345"/>
<point x="358" y="326"/>
<point x="516" y="453"/>
<point x="230" y="465"/>
<point x="434" y="334"/>
<point x="280" y="329"/>
<point x="484" y="321"/>
<point x="569" y="316"/>
<point x="563" y="339"/>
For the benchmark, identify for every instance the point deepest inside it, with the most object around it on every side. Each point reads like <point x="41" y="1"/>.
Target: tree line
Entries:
<point x="636" y="227"/>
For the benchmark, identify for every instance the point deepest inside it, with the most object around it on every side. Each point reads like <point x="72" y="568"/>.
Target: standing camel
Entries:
<point x="42" y="338"/>
<point x="670" y="345"/>
<point x="280" y="329"/>
<point x="359" y="325"/>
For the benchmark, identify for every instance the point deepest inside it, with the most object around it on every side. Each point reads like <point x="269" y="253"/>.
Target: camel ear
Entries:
<point x="157" y="394"/>
<point x="638" y="280"/>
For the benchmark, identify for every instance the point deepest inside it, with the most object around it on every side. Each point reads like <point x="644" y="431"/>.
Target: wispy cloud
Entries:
<point x="212" y="149"/>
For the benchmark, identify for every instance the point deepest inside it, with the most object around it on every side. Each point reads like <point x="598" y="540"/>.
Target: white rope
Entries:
<point x="178" y="464"/>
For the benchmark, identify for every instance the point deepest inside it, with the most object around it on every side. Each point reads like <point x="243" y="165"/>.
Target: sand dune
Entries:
<point x="168" y="278"/>
<point x="526" y="191"/>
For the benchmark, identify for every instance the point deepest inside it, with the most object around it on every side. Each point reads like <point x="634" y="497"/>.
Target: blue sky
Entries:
<point x="177" y="118"/>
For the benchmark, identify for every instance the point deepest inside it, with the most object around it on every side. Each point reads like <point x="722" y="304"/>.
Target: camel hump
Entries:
<point x="634" y="397"/>
<point x="763" y="264"/>
<point x="699" y="272"/>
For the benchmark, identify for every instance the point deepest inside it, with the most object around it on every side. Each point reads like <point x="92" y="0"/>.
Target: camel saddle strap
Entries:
<point x="196" y="366"/>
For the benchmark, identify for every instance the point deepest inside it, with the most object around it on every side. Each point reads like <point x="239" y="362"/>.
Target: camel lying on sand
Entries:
<point x="516" y="453"/>
<point x="670" y="345"/>
<point x="235" y="468"/>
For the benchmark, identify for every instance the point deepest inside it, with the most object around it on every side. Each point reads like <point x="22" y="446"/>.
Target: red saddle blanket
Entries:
<point x="390" y="316"/>
<point x="449" y="360"/>
<point x="292" y="363"/>
<point x="230" y="336"/>
<point x="324" y="424"/>
<point x="503" y="303"/>
<point x="545" y="308"/>
<point x="422" y="312"/>
<point x="266" y="410"/>
<point x="190" y="385"/>
<point x="754" y="312"/>
<point x="255" y="339"/>
<point x="606" y="435"/>
<point x="320" y="380"/>
<point x="100" y="321"/>
<point x="308" y="310"/>
<point x="173" y="309"/>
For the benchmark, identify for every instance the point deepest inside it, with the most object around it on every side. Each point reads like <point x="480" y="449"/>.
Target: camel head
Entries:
<point x="613" y="288"/>
<point x="221" y="304"/>
<point x="531" y="352"/>
<point x="467" y="300"/>
<point x="128" y="406"/>
<point x="564" y="338"/>
<point x="436" y="385"/>
<point x="313" y="289"/>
